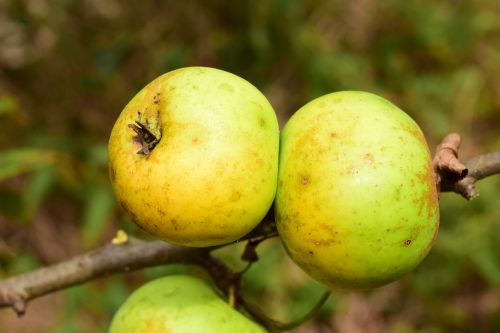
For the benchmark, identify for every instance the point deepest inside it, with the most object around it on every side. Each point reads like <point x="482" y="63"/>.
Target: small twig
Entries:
<point x="455" y="176"/>
<point x="224" y="278"/>
<point x="447" y="167"/>
<point x="479" y="167"/>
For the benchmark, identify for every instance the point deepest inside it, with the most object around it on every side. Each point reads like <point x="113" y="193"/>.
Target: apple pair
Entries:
<point x="196" y="159"/>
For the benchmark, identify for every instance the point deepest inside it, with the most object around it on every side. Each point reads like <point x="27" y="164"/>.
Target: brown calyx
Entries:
<point x="144" y="137"/>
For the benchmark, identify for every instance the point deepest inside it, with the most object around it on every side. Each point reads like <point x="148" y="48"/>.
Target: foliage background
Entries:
<point x="68" y="67"/>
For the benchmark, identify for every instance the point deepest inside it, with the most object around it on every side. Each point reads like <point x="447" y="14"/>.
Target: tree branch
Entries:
<point x="455" y="176"/>
<point x="109" y="259"/>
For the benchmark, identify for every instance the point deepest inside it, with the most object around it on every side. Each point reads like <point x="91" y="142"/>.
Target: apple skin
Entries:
<point x="356" y="205"/>
<point x="179" y="304"/>
<point x="212" y="176"/>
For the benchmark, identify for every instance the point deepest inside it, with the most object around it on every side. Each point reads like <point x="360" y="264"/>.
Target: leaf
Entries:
<point x="17" y="161"/>
<point x="39" y="185"/>
<point x="488" y="263"/>
<point x="98" y="207"/>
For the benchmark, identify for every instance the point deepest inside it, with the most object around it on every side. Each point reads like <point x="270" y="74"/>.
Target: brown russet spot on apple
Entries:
<point x="235" y="196"/>
<point x="262" y="122"/>
<point x="428" y="196"/>
<point x="368" y="158"/>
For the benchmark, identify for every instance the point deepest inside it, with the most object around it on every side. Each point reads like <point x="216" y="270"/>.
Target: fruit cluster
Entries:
<point x="196" y="159"/>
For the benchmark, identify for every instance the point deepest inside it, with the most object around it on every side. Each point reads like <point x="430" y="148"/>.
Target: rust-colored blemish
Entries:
<point x="397" y="194"/>
<point x="407" y="242"/>
<point x="368" y="158"/>
<point x="428" y="198"/>
<point x="262" y="122"/>
<point x="235" y="196"/>
<point x="175" y="224"/>
<point x="304" y="180"/>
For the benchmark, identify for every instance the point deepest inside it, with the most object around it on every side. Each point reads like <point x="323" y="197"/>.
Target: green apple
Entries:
<point x="193" y="157"/>
<point x="356" y="204"/>
<point x="179" y="304"/>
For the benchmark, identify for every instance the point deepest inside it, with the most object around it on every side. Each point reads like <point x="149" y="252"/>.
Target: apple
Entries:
<point x="179" y="304"/>
<point x="193" y="157"/>
<point x="356" y="204"/>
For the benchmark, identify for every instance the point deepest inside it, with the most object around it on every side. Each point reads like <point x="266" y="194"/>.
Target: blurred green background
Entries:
<point x="68" y="67"/>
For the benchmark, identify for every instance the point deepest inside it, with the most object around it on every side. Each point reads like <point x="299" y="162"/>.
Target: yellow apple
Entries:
<point x="356" y="204"/>
<point x="193" y="157"/>
<point x="179" y="304"/>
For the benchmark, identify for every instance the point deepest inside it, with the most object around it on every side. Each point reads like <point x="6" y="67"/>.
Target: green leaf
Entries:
<point x="39" y="185"/>
<point x="17" y="161"/>
<point x="11" y="203"/>
<point x="488" y="263"/>
<point x="98" y="207"/>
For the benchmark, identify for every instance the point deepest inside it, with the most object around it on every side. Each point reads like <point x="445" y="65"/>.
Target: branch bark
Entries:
<point x="109" y="259"/>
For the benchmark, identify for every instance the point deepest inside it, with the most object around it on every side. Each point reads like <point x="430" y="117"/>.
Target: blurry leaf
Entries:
<point x="11" y="203"/>
<point x="107" y="59"/>
<point x="17" y="161"/>
<point x="438" y="273"/>
<point x="488" y="263"/>
<point x="66" y="326"/>
<point x="115" y="294"/>
<point x="157" y="272"/>
<point x="7" y="104"/>
<point x="24" y="262"/>
<point x="98" y="207"/>
<point x="304" y="297"/>
<point x="98" y="155"/>
<point x="172" y="58"/>
<point x="259" y="276"/>
<point x="39" y="184"/>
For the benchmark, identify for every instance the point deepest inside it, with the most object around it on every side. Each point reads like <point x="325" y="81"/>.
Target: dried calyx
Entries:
<point x="144" y="136"/>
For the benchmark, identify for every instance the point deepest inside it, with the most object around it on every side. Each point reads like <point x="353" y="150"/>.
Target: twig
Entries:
<point x="109" y="259"/>
<point x="225" y="279"/>
<point x="455" y="176"/>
